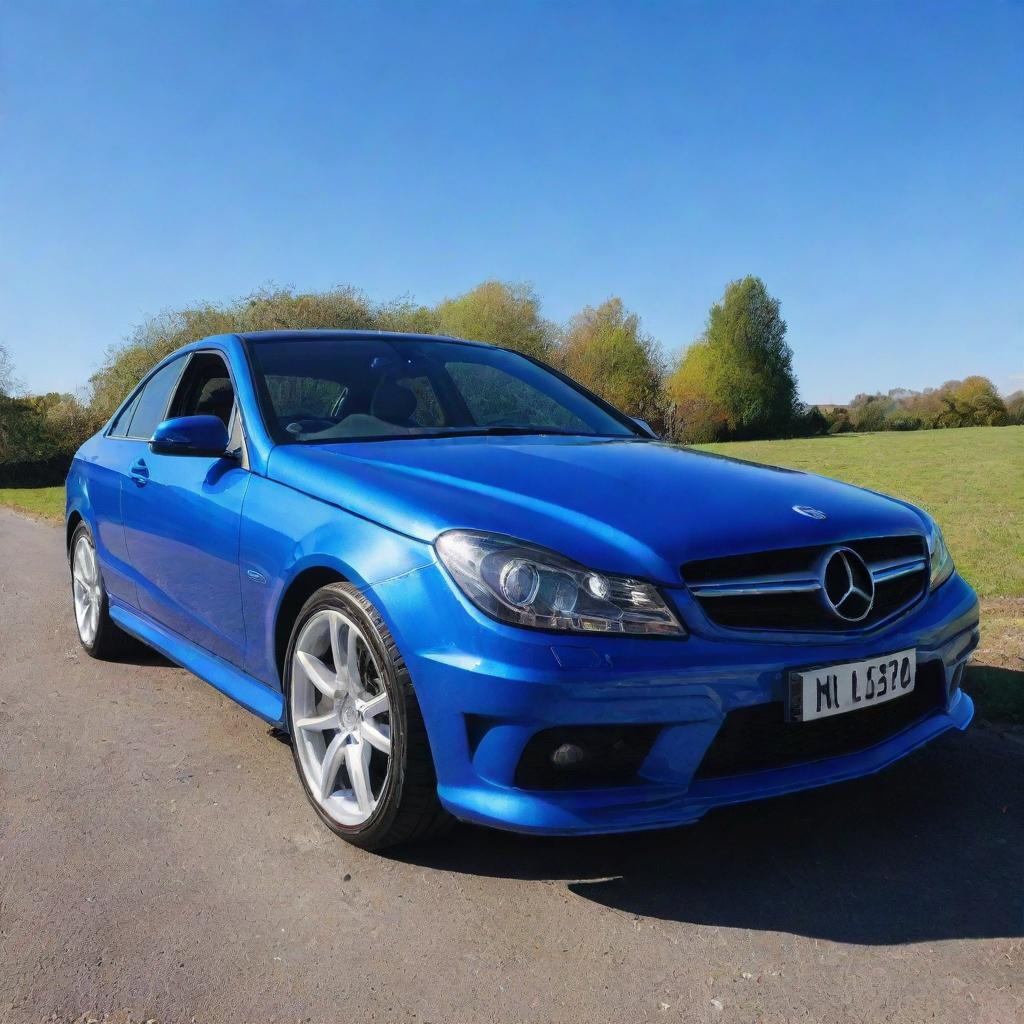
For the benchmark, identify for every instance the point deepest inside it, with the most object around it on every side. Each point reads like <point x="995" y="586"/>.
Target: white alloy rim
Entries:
<point x="341" y="715"/>
<point x="88" y="590"/>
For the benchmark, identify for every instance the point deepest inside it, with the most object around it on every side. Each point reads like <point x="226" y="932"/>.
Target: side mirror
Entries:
<point x="644" y="426"/>
<point x="190" y="435"/>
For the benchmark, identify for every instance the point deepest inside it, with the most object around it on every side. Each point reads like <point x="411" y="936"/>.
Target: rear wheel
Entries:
<point x="97" y="632"/>
<point x="358" y="736"/>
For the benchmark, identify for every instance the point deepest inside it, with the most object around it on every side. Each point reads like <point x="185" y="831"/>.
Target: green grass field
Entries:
<point x="47" y="502"/>
<point x="970" y="480"/>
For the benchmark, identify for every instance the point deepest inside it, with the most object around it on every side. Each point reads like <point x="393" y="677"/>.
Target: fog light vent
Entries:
<point x="567" y="755"/>
<point x="575" y="757"/>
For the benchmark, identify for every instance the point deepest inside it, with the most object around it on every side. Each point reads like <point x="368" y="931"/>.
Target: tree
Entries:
<point x="503" y="314"/>
<point x="1015" y="407"/>
<point x="871" y="412"/>
<point x="264" y="310"/>
<point x="606" y="351"/>
<point x="810" y="422"/>
<point x="8" y="382"/>
<point x="740" y="371"/>
<point x="279" y="309"/>
<point x="977" y="403"/>
<point x="406" y="316"/>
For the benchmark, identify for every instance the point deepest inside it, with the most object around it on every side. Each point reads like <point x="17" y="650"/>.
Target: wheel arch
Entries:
<point x="305" y="584"/>
<point x="73" y="520"/>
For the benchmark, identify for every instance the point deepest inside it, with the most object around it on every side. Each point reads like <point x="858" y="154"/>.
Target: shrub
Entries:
<point x="605" y="350"/>
<point x="902" y="421"/>
<point x="741" y="366"/>
<point x="503" y="314"/>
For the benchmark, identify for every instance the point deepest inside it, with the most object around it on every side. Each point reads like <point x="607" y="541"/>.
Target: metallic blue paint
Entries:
<point x="200" y="556"/>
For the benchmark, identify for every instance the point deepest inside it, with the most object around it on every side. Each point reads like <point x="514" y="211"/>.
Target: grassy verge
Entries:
<point x="45" y="502"/>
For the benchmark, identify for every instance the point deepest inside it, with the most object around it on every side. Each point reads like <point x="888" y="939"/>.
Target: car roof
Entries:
<point x="342" y="335"/>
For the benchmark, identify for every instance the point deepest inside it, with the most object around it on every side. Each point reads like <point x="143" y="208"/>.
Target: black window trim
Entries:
<point x="186" y="360"/>
<point x="139" y="388"/>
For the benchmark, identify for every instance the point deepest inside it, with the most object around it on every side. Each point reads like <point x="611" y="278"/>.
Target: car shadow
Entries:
<point x="144" y="656"/>
<point x="998" y="692"/>
<point x="927" y="850"/>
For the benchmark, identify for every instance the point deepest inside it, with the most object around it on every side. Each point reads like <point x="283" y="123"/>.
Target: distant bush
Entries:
<point x="39" y="435"/>
<point x="1015" y="407"/>
<point x="810" y="421"/>
<point x="503" y="314"/>
<point x="972" y="402"/>
<point x="902" y="421"/>
<point x="606" y="351"/>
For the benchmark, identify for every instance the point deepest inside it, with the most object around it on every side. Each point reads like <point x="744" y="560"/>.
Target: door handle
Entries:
<point x="139" y="472"/>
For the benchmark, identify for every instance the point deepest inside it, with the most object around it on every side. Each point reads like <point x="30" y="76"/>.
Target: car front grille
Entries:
<point x="783" y="589"/>
<point x="758" y="737"/>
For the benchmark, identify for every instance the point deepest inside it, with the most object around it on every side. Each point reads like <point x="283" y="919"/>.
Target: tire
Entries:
<point x="99" y="635"/>
<point x="358" y="738"/>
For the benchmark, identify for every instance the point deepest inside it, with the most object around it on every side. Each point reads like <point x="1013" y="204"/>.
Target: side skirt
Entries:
<point x="253" y="695"/>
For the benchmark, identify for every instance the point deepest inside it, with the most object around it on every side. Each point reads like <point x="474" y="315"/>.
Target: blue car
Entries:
<point x="470" y="589"/>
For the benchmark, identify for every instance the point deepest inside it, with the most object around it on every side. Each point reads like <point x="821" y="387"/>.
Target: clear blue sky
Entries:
<point x="867" y="160"/>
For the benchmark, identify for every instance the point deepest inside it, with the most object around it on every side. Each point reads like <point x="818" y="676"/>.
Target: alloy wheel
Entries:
<point x="88" y="590"/>
<point x="341" y="717"/>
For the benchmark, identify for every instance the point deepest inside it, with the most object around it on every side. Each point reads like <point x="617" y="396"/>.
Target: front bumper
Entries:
<point x="486" y="689"/>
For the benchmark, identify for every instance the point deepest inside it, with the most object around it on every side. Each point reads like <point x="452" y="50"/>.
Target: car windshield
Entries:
<point x="372" y="388"/>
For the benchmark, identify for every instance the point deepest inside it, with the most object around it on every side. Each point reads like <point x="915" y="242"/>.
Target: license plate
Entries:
<point x="836" y="689"/>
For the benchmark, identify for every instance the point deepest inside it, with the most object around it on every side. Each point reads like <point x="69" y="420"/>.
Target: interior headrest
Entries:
<point x="393" y="403"/>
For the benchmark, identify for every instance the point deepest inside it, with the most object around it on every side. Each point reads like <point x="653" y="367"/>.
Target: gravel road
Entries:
<point x="158" y="861"/>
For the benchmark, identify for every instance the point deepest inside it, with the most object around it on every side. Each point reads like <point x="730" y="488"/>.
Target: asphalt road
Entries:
<point x="158" y="860"/>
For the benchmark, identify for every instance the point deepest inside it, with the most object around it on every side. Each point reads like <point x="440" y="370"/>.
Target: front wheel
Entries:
<point x="358" y="736"/>
<point x="97" y="631"/>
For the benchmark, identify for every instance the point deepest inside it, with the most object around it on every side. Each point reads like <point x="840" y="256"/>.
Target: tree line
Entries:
<point x="972" y="402"/>
<point x="736" y="381"/>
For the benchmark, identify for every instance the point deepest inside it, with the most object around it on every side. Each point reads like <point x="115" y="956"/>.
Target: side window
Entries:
<point x="152" y="402"/>
<point x="119" y="428"/>
<point x="205" y="390"/>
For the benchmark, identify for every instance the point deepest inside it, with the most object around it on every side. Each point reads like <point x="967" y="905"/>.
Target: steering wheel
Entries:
<point x="303" y="422"/>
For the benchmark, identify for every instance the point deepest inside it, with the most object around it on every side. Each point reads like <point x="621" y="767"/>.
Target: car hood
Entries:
<point x="629" y="506"/>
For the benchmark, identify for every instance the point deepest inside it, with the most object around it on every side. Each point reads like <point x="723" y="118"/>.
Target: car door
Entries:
<point x="106" y="471"/>
<point x="182" y="517"/>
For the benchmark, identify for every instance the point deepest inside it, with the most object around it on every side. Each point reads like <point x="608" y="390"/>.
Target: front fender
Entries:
<point x="286" y="534"/>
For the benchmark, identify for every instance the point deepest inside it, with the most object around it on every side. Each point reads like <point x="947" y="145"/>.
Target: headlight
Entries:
<point x="939" y="557"/>
<point x="531" y="586"/>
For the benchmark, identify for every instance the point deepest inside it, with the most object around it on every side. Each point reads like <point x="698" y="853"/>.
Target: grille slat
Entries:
<point x="781" y="589"/>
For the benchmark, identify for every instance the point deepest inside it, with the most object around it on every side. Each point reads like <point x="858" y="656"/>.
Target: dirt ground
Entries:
<point x="158" y="861"/>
